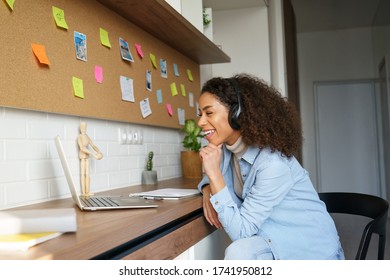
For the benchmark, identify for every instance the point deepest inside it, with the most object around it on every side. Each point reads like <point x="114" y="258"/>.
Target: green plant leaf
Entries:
<point x="192" y="138"/>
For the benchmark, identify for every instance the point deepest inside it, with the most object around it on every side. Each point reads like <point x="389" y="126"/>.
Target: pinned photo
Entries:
<point x="163" y="67"/>
<point x="149" y="80"/>
<point x="125" y="50"/>
<point x="80" y="42"/>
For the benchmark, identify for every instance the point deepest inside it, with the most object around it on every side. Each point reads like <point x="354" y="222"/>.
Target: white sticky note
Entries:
<point x="191" y="99"/>
<point x="181" y="116"/>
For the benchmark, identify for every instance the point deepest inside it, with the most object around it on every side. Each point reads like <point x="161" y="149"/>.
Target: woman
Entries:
<point x="253" y="186"/>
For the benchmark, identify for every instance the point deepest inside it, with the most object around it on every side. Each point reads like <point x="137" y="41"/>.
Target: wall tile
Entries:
<point x="12" y="172"/>
<point x="14" y="113"/>
<point x="38" y="129"/>
<point x="2" y="195"/>
<point x="12" y="129"/>
<point x="26" y="192"/>
<point x="119" y="179"/>
<point x="25" y="150"/>
<point x="29" y="162"/>
<point x="2" y="150"/>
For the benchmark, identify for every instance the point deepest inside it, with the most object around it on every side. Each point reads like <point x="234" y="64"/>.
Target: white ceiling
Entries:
<point x="316" y="15"/>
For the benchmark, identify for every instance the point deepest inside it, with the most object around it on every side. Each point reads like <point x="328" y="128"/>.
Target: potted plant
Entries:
<point x="191" y="163"/>
<point x="206" y="20"/>
<point x="149" y="176"/>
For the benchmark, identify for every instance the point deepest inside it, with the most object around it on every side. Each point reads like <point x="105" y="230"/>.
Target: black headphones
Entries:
<point x="235" y="109"/>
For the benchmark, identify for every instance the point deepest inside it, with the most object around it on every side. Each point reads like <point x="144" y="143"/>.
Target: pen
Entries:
<point x="154" y="198"/>
<point x="160" y="198"/>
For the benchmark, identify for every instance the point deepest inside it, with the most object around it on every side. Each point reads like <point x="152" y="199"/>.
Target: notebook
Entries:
<point x="167" y="193"/>
<point x="93" y="203"/>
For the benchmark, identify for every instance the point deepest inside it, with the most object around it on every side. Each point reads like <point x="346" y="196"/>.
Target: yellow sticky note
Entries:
<point x="40" y="53"/>
<point x="59" y="17"/>
<point x="78" y="88"/>
<point x="104" y="38"/>
<point x="173" y="89"/>
<point x="11" y="4"/>
<point x="183" y="90"/>
<point x="189" y="74"/>
<point x="153" y="60"/>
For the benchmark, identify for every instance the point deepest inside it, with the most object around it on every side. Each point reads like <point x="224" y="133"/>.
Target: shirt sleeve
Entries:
<point x="205" y="181"/>
<point x="270" y="186"/>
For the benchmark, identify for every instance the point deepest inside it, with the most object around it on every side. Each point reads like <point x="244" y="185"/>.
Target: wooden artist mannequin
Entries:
<point x="83" y="141"/>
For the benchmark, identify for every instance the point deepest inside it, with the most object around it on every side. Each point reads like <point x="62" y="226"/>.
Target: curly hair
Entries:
<point x="267" y="119"/>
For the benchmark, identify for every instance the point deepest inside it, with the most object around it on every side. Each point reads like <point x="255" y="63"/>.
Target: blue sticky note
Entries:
<point x="159" y="96"/>
<point x="176" y="70"/>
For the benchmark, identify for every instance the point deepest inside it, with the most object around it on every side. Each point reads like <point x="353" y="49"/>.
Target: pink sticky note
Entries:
<point x="169" y="109"/>
<point x="99" y="74"/>
<point x="139" y="50"/>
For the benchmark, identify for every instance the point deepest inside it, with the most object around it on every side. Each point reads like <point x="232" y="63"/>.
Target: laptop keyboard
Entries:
<point x="98" y="201"/>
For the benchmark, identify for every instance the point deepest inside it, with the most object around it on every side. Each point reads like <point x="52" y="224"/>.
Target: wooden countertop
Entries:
<point x="116" y="234"/>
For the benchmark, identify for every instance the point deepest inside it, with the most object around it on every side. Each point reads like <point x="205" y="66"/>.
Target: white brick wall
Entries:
<point x="30" y="170"/>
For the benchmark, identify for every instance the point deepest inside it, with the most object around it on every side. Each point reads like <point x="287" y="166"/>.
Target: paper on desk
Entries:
<point x="38" y="220"/>
<point x="23" y="241"/>
<point x="167" y="193"/>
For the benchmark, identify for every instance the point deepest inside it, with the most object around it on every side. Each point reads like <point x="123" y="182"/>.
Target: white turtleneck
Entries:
<point x="237" y="149"/>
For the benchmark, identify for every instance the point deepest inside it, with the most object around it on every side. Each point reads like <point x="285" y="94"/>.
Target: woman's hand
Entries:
<point x="211" y="158"/>
<point x="208" y="210"/>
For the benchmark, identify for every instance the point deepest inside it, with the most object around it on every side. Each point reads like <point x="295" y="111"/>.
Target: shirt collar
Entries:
<point x="249" y="156"/>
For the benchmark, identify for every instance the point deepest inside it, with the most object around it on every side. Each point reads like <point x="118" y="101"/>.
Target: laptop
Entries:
<point x="93" y="203"/>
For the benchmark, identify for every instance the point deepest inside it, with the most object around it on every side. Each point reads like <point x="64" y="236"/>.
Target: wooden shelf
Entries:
<point x="163" y="22"/>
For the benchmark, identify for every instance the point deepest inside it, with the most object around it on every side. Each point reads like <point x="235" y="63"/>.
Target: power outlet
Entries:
<point x="122" y="136"/>
<point x="137" y="137"/>
<point x="130" y="137"/>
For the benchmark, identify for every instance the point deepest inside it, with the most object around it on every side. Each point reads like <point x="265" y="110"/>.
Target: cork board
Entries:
<point x="28" y="84"/>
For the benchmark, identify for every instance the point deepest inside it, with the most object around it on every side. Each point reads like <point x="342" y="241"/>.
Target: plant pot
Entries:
<point x="191" y="165"/>
<point x="149" y="177"/>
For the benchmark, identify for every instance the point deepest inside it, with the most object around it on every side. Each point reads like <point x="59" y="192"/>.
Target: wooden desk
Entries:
<point x="157" y="233"/>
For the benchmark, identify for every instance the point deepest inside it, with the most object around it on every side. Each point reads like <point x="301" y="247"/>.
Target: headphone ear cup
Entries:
<point x="233" y="117"/>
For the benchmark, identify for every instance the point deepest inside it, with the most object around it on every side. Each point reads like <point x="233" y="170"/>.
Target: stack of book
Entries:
<point x="22" y="229"/>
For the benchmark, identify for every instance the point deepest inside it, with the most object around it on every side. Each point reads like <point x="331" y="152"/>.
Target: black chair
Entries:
<point x="366" y="205"/>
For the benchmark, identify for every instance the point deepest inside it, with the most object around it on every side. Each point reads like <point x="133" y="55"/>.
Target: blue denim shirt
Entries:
<point x="279" y="203"/>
